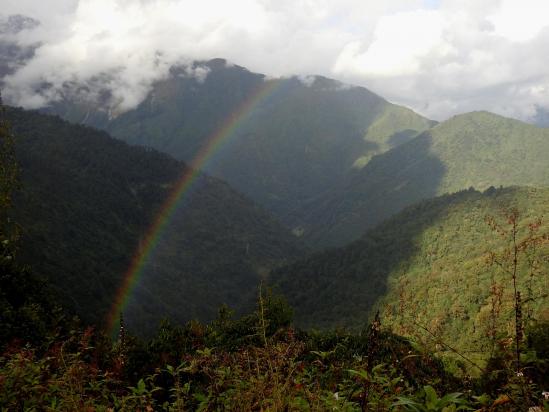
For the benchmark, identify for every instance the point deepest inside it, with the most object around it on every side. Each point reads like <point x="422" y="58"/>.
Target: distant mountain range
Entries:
<point x="88" y="200"/>
<point x="328" y="159"/>
<point x="300" y="140"/>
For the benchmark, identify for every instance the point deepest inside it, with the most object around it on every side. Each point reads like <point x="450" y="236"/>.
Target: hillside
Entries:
<point x="478" y="149"/>
<point x="87" y="201"/>
<point x="299" y="139"/>
<point x="428" y="265"/>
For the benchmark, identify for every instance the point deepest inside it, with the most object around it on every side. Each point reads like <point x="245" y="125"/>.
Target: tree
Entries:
<point x="521" y="259"/>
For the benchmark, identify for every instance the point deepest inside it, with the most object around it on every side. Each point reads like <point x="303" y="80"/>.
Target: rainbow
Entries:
<point x="183" y="185"/>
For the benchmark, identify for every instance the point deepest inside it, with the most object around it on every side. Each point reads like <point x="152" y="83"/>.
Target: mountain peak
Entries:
<point x="216" y="63"/>
<point x="483" y="117"/>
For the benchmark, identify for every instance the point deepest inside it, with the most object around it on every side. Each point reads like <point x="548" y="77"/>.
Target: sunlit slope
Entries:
<point x="427" y="265"/>
<point x="87" y="202"/>
<point x="477" y="150"/>
<point x="283" y="146"/>
<point x="482" y="149"/>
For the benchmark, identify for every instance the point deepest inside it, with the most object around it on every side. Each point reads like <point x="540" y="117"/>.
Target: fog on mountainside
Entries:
<point x="541" y="118"/>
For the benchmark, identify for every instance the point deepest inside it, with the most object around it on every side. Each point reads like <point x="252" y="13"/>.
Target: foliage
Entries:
<point x="201" y="367"/>
<point x="428" y="400"/>
<point x="8" y="167"/>
<point x="289" y="370"/>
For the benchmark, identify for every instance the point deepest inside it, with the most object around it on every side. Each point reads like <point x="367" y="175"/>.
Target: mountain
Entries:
<point x="88" y="200"/>
<point x="428" y="265"/>
<point x="327" y="159"/>
<point x="290" y="140"/>
<point x="478" y="149"/>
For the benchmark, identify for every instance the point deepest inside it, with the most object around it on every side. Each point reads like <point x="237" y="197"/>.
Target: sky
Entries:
<point x="438" y="57"/>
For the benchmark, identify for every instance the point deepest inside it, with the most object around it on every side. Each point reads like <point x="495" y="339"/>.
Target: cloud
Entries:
<point x="451" y="60"/>
<point x="520" y="21"/>
<point x="438" y="57"/>
<point x="401" y="42"/>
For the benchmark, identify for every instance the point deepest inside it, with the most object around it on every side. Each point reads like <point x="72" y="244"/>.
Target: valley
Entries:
<point x="182" y="232"/>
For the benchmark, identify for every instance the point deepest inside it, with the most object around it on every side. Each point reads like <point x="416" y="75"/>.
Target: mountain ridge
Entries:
<point x="431" y="257"/>
<point x="299" y="140"/>
<point x="477" y="149"/>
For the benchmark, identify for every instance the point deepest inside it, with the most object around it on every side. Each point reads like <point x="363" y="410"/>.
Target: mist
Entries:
<point x="439" y="58"/>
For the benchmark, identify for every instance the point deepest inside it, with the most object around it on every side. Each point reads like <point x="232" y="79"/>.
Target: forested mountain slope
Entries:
<point x="428" y="264"/>
<point x="87" y="201"/>
<point x="478" y="149"/>
<point x="292" y="142"/>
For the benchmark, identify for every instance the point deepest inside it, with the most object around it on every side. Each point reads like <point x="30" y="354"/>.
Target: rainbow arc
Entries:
<point x="183" y="185"/>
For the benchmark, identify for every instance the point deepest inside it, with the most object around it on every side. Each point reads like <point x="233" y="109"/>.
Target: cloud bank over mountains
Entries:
<point x="438" y="57"/>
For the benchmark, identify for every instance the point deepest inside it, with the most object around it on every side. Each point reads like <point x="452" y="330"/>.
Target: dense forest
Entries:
<point x="329" y="160"/>
<point x="437" y="271"/>
<point x="85" y="202"/>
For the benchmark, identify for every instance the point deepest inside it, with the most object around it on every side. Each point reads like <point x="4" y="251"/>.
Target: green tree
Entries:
<point x="519" y="262"/>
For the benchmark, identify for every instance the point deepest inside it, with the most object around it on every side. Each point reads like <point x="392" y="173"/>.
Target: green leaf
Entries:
<point x="431" y="398"/>
<point x="361" y="374"/>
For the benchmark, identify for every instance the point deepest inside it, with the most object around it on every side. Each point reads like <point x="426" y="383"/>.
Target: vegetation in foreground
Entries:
<point x="258" y="362"/>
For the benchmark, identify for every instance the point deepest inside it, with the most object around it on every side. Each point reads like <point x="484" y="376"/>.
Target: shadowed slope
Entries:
<point x="426" y="264"/>
<point x="295" y="144"/>
<point x="478" y="149"/>
<point x="88" y="199"/>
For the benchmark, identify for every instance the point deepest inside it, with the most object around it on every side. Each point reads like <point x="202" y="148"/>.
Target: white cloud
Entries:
<point x="520" y="20"/>
<point x="455" y="59"/>
<point x="401" y="41"/>
<point x="307" y="79"/>
<point x="438" y="57"/>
